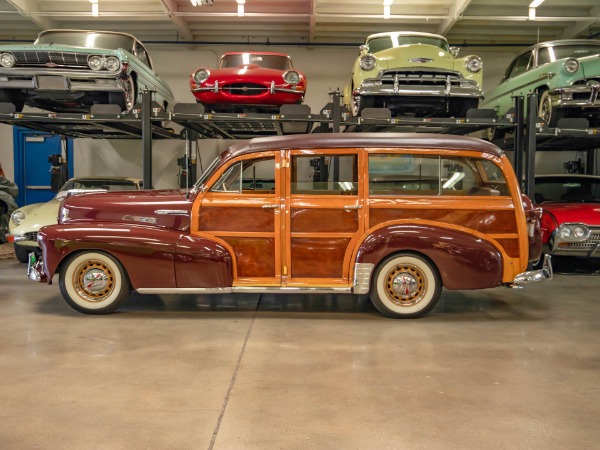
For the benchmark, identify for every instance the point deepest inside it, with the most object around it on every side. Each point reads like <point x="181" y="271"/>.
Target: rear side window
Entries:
<point x="392" y="174"/>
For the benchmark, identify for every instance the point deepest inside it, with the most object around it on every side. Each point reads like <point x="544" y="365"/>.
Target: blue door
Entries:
<point x="32" y="169"/>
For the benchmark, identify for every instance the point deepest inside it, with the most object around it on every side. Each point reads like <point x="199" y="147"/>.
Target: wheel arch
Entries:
<point x="463" y="259"/>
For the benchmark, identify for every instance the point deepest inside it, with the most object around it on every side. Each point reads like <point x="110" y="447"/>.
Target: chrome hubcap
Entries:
<point x="94" y="281"/>
<point x="406" y="285"/>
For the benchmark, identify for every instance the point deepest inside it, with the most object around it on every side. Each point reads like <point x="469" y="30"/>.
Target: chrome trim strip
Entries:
<point x="172" y="212"/>
<point x="362" y="277"/>
<point x="245" y="289"/>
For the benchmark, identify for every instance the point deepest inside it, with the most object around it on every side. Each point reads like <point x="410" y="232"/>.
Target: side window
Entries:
<point x="325" y="174"/>
<point x="404" y="174"/>
<point x="543" y="56"/>
<point x="249" y="176"/>
<point x="142" y="55"/>
<point x="473" y="177"/>
<point x="520" y="65"/>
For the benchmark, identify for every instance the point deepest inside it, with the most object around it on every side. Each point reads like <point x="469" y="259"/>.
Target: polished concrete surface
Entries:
<point x="493" y="369"/>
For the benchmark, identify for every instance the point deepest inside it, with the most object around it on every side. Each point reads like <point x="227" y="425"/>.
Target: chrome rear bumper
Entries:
<point x="532" y="276"/>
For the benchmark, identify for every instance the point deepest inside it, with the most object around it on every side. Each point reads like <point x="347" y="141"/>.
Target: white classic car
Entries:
<point x="25" y="222"/>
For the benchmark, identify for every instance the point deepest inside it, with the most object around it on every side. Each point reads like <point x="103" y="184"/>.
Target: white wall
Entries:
<point x="326" y="69"/>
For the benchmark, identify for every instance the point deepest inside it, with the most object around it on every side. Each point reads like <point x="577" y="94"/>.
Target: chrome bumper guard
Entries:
<point x="563" y="97"/>
<point x="35" y="269"/>
<point x="532" y="276"/>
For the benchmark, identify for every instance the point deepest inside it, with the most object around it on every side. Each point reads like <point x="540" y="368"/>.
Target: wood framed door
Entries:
<point x="324" y="216"/>
<point x="242" y="209"/>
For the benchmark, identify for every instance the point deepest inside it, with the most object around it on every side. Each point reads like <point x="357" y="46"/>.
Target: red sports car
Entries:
<point x="571" y="214"/>
<point x="249" y="82"/>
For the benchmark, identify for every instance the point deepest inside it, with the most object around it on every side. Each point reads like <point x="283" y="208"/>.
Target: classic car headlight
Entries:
<point x="201" y="75"/>
<point x="291" y="77"/>
<point x="573" y="232"/>
<point x="7" y="60"/>
<point x="17" y="217"/>
<point x="474" y="64"/>
<point x="95" y="62"/>
<point x="571" y="65"/>
<point x="112" y="63"/>
<point x="367" y="62"/>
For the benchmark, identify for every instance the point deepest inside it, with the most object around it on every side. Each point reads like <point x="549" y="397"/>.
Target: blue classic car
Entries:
<point x="70" y="70"/>
<point x="565" y="74"/>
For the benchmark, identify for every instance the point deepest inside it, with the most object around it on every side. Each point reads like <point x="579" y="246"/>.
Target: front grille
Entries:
<point x="420" y="77"/>
<point x="245" y="89"/>
<point x="41" y="58"/>
<point x="32" y="236"/>
<point x="590" y="243"/>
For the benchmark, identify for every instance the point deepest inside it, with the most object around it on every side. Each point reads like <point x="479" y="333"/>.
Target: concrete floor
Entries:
<point x="493" y="369"/>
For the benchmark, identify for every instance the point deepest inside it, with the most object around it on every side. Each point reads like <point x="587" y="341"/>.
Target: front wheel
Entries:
<point x="126" y="99"/>
<point x="405" y="286"/>
<point x="22" y="253"/>
<point x="94" y="282"/>
<point x="547" y="112"/>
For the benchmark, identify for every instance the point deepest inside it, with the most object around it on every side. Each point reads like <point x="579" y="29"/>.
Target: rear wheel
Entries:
<point x="405" y="285"/>
<point x="94" y="282"/>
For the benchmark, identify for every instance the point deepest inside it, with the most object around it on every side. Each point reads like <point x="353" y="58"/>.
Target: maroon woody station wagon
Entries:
<point x="397" y="216"/>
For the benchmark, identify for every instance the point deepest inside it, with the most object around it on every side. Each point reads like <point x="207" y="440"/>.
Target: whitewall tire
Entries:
<point x="405" y="285"/>
<point x="94" y="282"/>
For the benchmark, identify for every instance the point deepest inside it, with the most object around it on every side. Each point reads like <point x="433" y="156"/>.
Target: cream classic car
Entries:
<point x="414" y="73"/>
<point x="25" y="222"/>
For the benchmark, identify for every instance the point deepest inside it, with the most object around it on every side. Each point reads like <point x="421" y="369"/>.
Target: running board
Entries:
<point x="246" y="290"/>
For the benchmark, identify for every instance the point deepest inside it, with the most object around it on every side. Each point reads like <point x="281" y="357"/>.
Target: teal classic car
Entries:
<point x="70" y="70"/>
<point x="414" y="73"/>
<point x="565" y="74"/>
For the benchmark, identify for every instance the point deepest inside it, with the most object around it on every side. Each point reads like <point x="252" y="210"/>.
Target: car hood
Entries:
<point x="416" y="55"/>
<point x="55" y="48"/>
<point x="38" y="215"/>
<point x="164" y="208"/>
<point x="586" y="213"/>
<point x="591" y="66"/>
<point x="245" y="72"/>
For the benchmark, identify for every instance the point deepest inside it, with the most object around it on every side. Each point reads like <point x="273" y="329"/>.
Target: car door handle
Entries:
<point x="353" y="207"/>
<point x="270" y="206"/>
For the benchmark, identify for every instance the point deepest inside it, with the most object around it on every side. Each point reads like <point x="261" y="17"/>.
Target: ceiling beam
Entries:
<point x="456" y="12"/>
<point x="579" y="27"/>
<point x="28" y="9"/>
<point x="180" y="24"/>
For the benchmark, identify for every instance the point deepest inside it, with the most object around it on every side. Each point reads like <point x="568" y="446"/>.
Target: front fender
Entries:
<point x="147" y="253"/>
<point x="464" y="260"/>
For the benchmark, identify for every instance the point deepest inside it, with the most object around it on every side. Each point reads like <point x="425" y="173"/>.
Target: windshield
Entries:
<point x="207" y="173"/>
<point x="111" y="41"/>
<point x="384" y="42"/>
<point x="267" y="61"/>
<point x="550" y="54"/>
<point x="567" y="189"/>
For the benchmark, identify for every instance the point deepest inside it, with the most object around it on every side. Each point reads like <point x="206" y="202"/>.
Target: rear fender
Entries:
<point x="464" y="260"/>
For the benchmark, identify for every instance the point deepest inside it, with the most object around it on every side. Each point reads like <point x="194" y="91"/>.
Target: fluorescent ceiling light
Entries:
<point x="94" y="7"/>
<point x="532" y="13"/>
<point x="194" y="2"/>
<point x="536" y="3"/>
<point x="387" y="8"/>
<point x="241" y="7"/>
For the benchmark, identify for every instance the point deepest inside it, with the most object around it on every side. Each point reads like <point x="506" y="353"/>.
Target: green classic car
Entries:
<point x="70" y="70"/>
<point x="565" y="74"/>
<point x="414" y="73"/>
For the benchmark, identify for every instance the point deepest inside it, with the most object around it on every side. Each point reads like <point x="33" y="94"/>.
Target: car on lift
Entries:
<point x="570" y="222"/>
<point x="26" y="221"/>
<point x="249" y="82"/>
<point x="71" y="70"/>
<point x="414" y="73"/>
<point x="564" y="73"/>
<point x="394" y="215"/>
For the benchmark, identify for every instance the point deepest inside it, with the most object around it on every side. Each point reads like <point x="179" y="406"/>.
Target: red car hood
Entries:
<point x="246" y="72"/>
<point x="587" y="213"/>
<point x="163" y="208"/>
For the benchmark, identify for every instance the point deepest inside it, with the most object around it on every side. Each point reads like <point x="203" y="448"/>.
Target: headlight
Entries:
<point x="367" y="62"/>
<point x="7" y="60"/>
<point x="201" y="76"/>
<point x="474" y="64"/>
<point x="291" y="77"/>
<point x="571" y="65"/>
<point x="95" y="62"/>
<point x="573" y="232"/>
<point x="17" y="217"/>
<point x="112" y="63"/>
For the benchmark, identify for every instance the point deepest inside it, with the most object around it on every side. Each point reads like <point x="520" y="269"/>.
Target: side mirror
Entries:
<point x="454" y="51"/>
<point x="363" y="49"/>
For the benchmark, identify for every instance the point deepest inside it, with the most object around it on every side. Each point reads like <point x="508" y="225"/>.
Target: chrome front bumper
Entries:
<point x="35" y="269"/>
<point x="375" y="87"/>
<point x="532" y="276"/>
<point x="273" y="88"/>
<point x="74" y="80"/>
<point x="578" y="96"/>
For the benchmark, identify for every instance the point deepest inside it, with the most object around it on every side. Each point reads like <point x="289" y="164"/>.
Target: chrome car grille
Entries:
<point x="590" y="243"/>
<point x="43" y="58"/>
<point x="31" y="236"/>
<point x="419" y="77"/>
<point x="244" y="89"/>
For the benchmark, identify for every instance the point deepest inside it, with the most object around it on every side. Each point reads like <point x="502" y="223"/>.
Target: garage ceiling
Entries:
<point x="315" y="22"/>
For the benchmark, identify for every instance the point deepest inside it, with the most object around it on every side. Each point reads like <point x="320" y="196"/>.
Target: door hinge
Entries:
<point x="285" y="270"/>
